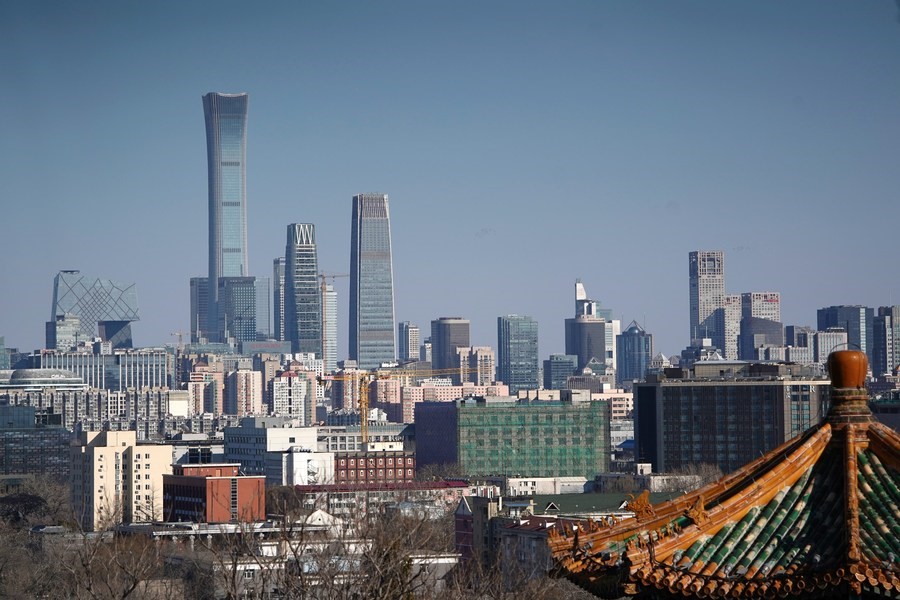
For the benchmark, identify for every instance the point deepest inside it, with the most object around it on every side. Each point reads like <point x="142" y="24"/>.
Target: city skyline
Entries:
<point x="608" y="134"/>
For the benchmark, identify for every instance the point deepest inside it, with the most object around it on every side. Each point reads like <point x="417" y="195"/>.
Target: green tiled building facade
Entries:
<point x="506" y="437"/>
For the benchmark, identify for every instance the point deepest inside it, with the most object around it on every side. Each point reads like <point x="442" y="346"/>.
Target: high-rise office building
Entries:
<point x="517" y="353"/>
<point x="226" y="147"/>
<point x="263" y="308"/>
<point x="732" y="322"/>
<point x="407" y="341"/>
<point x="278" y="297"/>
<point x="237" y="309"/>
<point x="199" y="307"/>
<point x="448" y="334"/>
<point x="591" y="335"/>
<point x="329" y="328"/>
<point x="104" y="307"/>
<point x="758" y="333"/>
<point x="557" y="370"/>
<point x="855" y="320"/>
<point x="635" y="350"/>
<point x="302" y="298"/>
<point x="706" y="271"/>
<point x="761" y="305"/>
<point x="371" y="283"/>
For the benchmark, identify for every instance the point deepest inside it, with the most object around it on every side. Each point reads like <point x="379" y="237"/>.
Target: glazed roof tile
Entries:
<point x="818" y="513"/>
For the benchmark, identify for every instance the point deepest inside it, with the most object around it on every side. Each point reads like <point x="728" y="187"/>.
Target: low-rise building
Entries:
<point x="213" y="493"/>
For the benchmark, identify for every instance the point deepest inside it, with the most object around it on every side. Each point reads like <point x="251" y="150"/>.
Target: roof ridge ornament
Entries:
<point x="849" y="398"/>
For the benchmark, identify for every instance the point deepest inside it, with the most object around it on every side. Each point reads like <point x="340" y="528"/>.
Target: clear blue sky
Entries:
<point x="522" y="144"/>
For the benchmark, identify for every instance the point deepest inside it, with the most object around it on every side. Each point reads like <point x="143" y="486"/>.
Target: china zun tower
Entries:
<point x="226" y="145"/>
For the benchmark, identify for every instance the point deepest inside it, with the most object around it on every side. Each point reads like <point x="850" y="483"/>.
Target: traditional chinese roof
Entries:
<point x="817" y="516"/>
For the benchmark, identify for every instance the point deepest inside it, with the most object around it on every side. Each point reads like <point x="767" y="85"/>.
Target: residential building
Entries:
<point x="244" y="393"/>
<point x="407" y="341"/>
<point x="439" y="391"/>
<point x="557" y="369"/>
<point x="706" y="270"/>
<point x="500" y="436"/>
<point x="477" y="365"/>
<point x="213" y="493"/>
<point x="635" y="349"/>
<point x="371" y="283"/>
<point x="294" y="396"/>
<point x="724" y="414"/>
<point x="855" y="320"/>
<point x="517" y="353"/>
<point x="226" y="151"/>
<point x="303" y="298"/>
<point x="104" y="308"/>
<point x="114" y="480"/>
<point x="448" y="334"/>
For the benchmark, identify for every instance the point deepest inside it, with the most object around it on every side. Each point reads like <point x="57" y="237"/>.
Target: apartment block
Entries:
<point x="114" y="480"/>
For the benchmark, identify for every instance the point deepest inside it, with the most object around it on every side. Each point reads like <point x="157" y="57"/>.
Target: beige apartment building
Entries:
<point x="114" y="480"/>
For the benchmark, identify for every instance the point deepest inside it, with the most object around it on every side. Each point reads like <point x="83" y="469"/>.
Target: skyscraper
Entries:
<point x="104" y="307"/>
<point x="448" y="334"/>
<point x="199" y="307"/>
<point x="517" y="353"/>
<point x="226" y="147"/>
<point x="371" y="283"/>
<point x="407" y="341"/>
<point x="763" y="305"/>
<point x="329" y="328"/>
<point x="278" y="297"/>
<point x="855" y="320"/>
<point x="237" y="309"/>
<point x="592" y="333"/>
<point x="635" y="352"/>
<point x="707" y="295"/>
<point x="303" y="299"/>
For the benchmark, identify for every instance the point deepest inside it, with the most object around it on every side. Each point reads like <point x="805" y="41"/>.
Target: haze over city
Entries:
<point x="523" y="145"/>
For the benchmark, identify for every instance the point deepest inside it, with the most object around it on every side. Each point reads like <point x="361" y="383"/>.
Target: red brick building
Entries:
<point x="374" y="467"/>
<point x="213" y="493"/>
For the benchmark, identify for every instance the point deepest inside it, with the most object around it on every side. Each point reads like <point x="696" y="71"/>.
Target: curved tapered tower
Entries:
<point x="226" y="148"/>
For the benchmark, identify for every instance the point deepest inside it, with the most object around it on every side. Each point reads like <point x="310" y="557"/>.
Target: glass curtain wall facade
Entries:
<point x="237" y="308"/>
<point x="95" y="301"/>
<point x="226" y="146"/>
<point x="278" y="296"/>
<point x="371" y="283"/>
<point x="517" y="353"/>
<point x="635" y="350"/>
<point x="303" y="299"/>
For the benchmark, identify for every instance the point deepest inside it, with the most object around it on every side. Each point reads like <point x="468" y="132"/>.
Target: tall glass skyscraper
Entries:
<point x="104" y="307"/>
<point x="302" y="297"/>
<point x="226" y="148"/>
<point x="371" y="283"/>
<point x="517" y="353"/>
